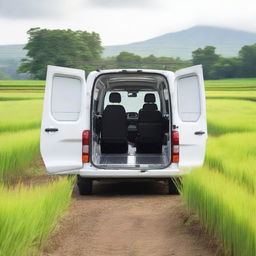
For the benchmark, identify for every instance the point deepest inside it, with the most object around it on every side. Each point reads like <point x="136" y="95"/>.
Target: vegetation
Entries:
<point x="80" y="49"/>
<point x="234" y="155"/>
<point x="17" y="151"/>
<point x="20" y="115"/>
<point x="22" y="85"/>
<point x="29" y="214"/>
<point x="59" y="47"/>
<point x="17" y="96"/>
<point x="225" y="116"/>
<point x="237" y="84"/>
<point x="223" y="192"/>
<point x="217" y="67"/>
<point x="131" y="60"/>
<point x="226" y="209"/>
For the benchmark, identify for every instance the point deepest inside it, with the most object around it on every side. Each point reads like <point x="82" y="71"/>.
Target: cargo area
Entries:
<point x="131" y="121"/>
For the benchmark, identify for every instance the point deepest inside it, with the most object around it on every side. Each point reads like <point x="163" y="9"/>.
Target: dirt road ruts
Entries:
<point x="126" y="219"/>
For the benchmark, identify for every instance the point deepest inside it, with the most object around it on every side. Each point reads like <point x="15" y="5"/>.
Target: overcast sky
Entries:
<point x="119" y="21"/>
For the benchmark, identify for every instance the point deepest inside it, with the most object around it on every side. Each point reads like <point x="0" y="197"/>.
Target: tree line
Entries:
<point x="219" y="67"/>
<point x="83" y="50"/>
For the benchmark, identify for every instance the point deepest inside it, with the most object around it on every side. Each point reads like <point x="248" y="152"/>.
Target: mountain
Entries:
<point x="14" y="51"/>
<point x="10" y="56"/>
<point x="228" y="42"/>
<point x="179" y="44"/>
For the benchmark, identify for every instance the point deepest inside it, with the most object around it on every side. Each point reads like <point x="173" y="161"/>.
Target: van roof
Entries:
<point x="132" y="70"/>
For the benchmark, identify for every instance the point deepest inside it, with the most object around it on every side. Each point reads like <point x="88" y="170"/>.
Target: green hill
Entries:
<point x="181" y="44"/>
<point x="10" y="56"/>
<point x="14" y="51"/>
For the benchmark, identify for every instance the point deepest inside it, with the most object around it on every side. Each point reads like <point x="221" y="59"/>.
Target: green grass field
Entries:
<point x="225" y="207"/>
<point x="17" y="151"/>
<point x="20" y="115"/>
<point x="234" y="155"/>
<point x="242" y="84"/>
<point x="22" y="85"/>
<point x="222" y="193"/>
<point x="27" y="214"/>
<point x="226" y="116"/>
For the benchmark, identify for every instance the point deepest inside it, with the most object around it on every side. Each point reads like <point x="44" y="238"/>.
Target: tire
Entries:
<point x="172" y="188"/>
<point x="84" y="186"/>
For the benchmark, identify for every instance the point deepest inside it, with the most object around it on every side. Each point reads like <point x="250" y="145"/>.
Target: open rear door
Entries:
<point x="64" y="119"/>
<point x="190" y="95"/>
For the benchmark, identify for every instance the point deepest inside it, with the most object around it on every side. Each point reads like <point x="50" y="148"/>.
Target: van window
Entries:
<point x="66" y="98"/>
<point x="132" y="104"/>
<point x="189" y="106"/>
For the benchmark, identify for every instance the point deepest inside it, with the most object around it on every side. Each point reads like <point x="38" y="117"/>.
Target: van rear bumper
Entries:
<point x="172" y="171"/>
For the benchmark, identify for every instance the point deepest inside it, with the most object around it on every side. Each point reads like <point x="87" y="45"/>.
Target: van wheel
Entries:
<point x="84" y="186"/>
<point x="172" y="189"/>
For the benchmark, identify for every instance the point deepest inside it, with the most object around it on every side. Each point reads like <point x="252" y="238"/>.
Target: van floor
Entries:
<point x="133" y="159"/>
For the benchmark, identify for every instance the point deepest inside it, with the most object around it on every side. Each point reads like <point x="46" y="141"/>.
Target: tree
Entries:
<point x="207" y="57"/>
<point x="127" y="59"/>
<point x="65" y="48"/>
<point x="248" y="59"/>
<point x="226" y="68"/>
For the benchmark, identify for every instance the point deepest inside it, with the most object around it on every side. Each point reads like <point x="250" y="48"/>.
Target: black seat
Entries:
<point x="150" y="127"/>
<point x="114" y="127"/>
<point x="149" y="100"/>
<point x="149" y="107"/>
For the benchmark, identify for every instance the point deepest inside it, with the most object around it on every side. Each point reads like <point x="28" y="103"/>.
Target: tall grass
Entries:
<point x="29" y="214"/>
<point x="22" y="86"/>
<point x="223" y="192"/>
<point x="242" y="84"/>
<point x="17" y="151"/>
<point x="230" y="95"/>
<point x="20" y="115"/>
<point x="225" y="116"/>
<point x="234" y="155"/>
<point x="22" y="82"/>
<point x="16" y="96"/>
<point x="225" y="208"/>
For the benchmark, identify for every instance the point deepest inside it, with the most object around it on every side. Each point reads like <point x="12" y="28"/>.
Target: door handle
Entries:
<point x="51" y="129"/>
<point x="199" y="132"/>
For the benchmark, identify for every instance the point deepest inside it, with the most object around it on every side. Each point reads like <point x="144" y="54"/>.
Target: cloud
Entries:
<point x="27" y="9"/>
<point x="120" y="3"/>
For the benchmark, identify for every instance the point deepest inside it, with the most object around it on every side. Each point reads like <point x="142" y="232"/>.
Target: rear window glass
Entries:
<point x="66" y="98"/>
<point x="189" y="105"/>
<point x="132" y="104"/>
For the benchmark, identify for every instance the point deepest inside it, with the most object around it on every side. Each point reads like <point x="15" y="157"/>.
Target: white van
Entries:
<point x="123" y="124"/>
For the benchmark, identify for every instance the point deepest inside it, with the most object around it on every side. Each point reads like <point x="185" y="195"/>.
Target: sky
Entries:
<point x="120" y="22"/>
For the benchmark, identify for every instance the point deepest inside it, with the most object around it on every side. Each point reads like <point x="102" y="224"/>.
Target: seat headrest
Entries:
<point x="149" y="97"/>
<point x="148" y="107"/>
<point x="115" y="97"/>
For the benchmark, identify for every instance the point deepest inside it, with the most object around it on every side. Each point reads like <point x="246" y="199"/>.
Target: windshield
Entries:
<point x="132" y="103"/>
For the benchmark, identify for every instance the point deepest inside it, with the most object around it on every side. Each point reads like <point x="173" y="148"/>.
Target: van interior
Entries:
<point x="131" y="121"/>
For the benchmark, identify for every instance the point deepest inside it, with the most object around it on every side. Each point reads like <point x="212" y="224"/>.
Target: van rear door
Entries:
<point x="190" y="95"/>
<point x="64" y="119"/>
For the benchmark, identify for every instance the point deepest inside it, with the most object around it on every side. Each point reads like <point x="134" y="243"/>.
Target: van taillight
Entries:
<point x="175" y="147"/>
<point x="86" y="143"/>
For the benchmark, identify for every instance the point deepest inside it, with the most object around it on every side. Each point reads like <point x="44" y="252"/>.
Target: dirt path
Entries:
<point x="127" y="219"/>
